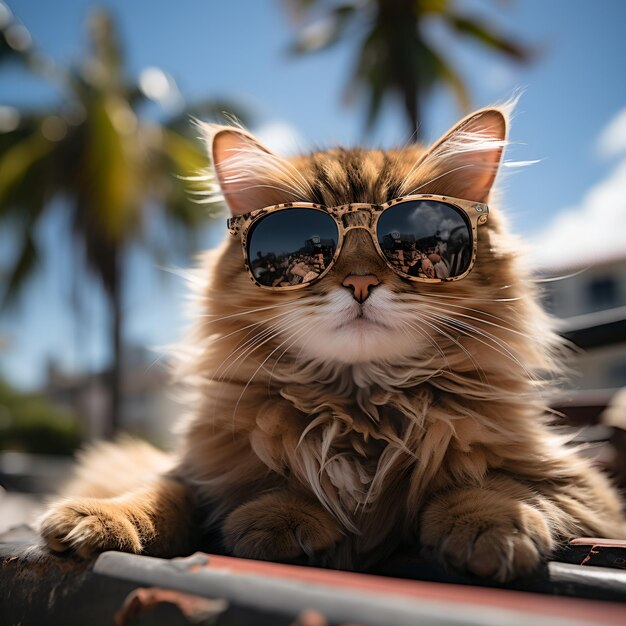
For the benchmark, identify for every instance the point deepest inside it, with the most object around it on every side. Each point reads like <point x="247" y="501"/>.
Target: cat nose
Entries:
<point x="360" y="285"/>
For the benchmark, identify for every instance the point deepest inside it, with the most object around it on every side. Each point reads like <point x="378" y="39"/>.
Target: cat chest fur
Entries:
<point x="349" y="452"/>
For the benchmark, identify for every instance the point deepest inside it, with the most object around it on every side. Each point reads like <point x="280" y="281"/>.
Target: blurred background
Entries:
<point x="97" y="220"/>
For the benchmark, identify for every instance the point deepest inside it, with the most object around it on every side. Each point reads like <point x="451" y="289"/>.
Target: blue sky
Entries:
<point x="573" y="93"/>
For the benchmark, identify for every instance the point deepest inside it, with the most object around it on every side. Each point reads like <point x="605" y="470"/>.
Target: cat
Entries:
<point x="319" y="437"/>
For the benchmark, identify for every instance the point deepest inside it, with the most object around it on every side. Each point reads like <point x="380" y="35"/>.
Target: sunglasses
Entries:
<point x="423" y="238"/>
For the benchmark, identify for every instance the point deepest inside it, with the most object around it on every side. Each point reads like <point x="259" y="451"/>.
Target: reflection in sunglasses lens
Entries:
<point x="291" y="247"/>
<point x="426" y="238"/>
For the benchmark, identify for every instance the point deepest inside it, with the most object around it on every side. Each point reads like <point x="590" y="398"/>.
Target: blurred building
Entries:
<point x="148" y="406"/>
<point x="591" y="304"/>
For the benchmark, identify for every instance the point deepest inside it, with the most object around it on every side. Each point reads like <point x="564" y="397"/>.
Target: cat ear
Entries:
<point x="246" y="171"/>
<point x="465" y="161"/>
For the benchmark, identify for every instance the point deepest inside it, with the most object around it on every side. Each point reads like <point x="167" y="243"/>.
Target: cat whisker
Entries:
<point x="460" y="325"/>
<point x="455" y="314"/>
<point x="438" y="329"/>
<point x="470" y="298"/>
<point x="308" y="333"/>
<point x="255" y="342"/>
<point x="259" y="323"/>
<point x="435" y="299"/>
<point x="249" y="311"/>
<point x="245" y="342"/>
<point x="426" y="336"/>
<point x="470" y="331"/>
<point x="258" y="369"/>
<point x="244" y="348"/>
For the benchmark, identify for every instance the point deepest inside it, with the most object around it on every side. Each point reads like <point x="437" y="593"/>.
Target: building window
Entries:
<point x="616" y="375"/>
<point x="602" y="293"/>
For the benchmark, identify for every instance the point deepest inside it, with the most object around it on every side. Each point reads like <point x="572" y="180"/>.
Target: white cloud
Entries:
<point x="590" y="232"/>
<point x="280" y="137"/>
<point x="595" y="229"/>
<point x="612" y="140"/>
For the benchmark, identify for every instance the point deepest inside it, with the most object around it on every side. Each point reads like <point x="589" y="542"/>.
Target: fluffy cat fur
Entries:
<point x="321" y="436"/>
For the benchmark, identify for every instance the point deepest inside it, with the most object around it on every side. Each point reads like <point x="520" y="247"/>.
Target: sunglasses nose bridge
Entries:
<point x="359" y="217"/>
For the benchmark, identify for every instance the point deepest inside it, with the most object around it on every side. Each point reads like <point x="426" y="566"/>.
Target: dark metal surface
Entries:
<point x="357" y="598"/>
<point x="596" y="330"/>
<point x="38" y="587"/>
<point x="565" y="577"/>
<point x="598" y="552"/>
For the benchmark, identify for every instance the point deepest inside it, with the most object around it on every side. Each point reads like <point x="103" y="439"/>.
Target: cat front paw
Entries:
<point x="89" y="526"/>
<point x="280" y="527"/>
<point x="503" y="542"/>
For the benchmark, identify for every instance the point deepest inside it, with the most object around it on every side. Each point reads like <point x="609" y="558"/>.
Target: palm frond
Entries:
<point x="23" y="267"/>
<point x="481" y="33"/>
<point x="395" y="57"/>
<point x="22" y="171"/>
<point x="325" y="31"/>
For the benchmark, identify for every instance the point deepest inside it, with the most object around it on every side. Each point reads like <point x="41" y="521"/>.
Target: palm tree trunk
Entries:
<point x="393" y="18"/>
<point x="412" y="110"/>
<point x="115" y="339"/>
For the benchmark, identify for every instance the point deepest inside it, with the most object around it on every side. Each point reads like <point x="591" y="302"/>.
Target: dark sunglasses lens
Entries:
<point x="291" y="247"/>
<point x="426" y="238"/>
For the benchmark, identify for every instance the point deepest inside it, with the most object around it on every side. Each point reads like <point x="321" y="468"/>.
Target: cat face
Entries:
<point x="360" y="311"/>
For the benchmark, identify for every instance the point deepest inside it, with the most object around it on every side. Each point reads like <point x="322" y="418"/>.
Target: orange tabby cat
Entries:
<point x="335" y="421"/>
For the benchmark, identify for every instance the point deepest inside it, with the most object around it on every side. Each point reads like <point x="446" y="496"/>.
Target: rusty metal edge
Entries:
<point x="290" y="597"/>
<point x="604" y="543"/>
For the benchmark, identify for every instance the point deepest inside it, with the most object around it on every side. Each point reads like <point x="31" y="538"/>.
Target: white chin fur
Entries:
<point x="345" y="338"/>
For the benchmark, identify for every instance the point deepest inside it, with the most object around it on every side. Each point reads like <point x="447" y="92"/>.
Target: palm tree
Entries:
<point x="395" y="55"/>
<point x="115" y="170"/>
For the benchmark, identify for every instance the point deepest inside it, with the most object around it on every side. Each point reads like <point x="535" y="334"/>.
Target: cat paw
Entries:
<point x="89" y="526"/>
<point x="279" y="527"/>
<point x="501" y="543"/>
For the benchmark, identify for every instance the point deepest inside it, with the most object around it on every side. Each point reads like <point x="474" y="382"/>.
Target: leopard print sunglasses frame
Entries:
<point x="359" y="215"/>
